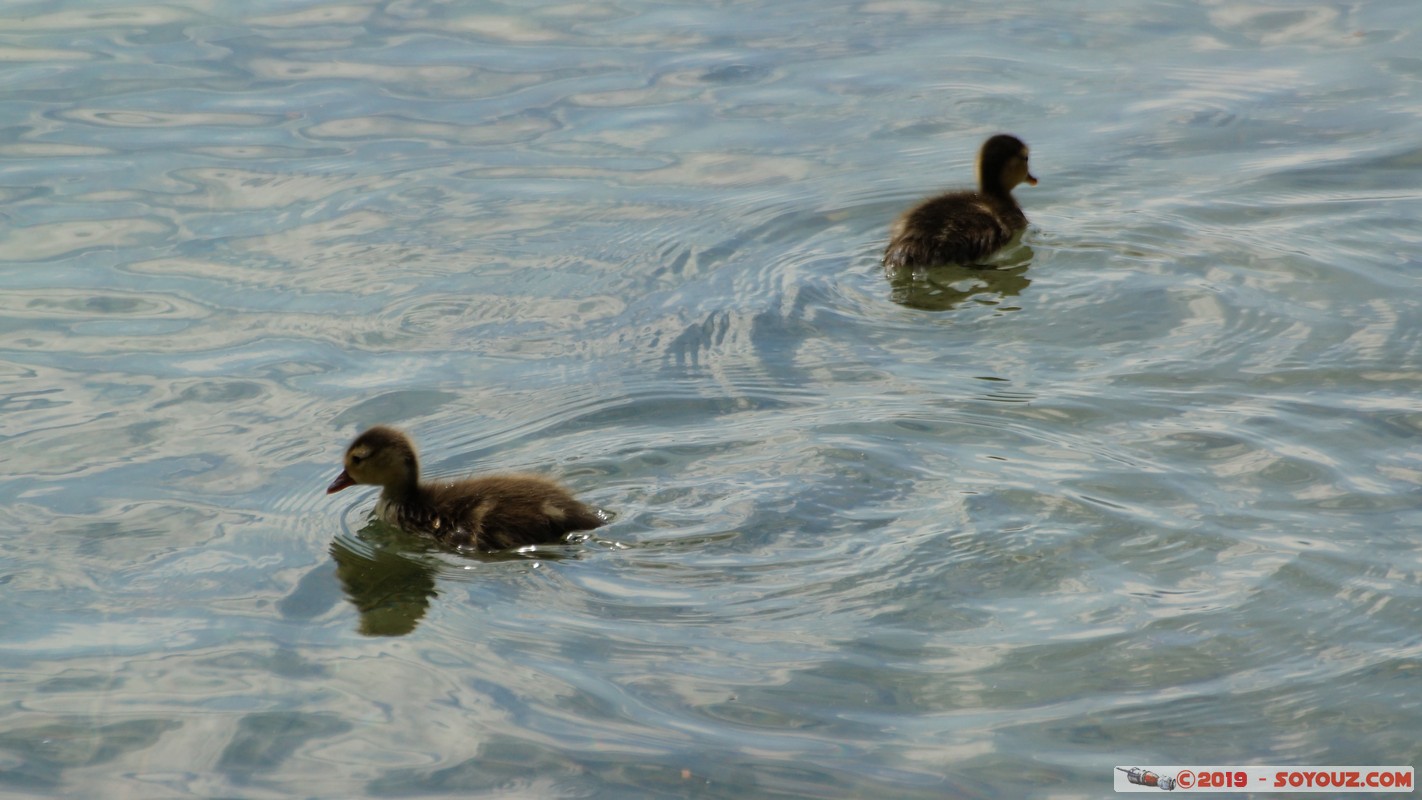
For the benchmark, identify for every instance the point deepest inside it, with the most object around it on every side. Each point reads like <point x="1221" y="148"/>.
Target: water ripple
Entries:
<point x="1163" y="453"/>
<point x="50" y="241"/>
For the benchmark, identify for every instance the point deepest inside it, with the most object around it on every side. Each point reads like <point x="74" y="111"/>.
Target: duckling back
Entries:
<point x="954" y="228"/>
<point x="497" y="512"/>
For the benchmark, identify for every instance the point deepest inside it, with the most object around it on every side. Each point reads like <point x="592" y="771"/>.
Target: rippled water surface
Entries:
<point x="1148" y="493"/>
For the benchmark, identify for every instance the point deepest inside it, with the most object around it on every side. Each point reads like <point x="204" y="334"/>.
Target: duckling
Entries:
<point x="965" y="227"/>
<point x="490" y="513"/>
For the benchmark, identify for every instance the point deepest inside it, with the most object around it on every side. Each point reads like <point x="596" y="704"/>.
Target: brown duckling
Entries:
<point x="965" y="227"/>
<point x="491" y="513"/>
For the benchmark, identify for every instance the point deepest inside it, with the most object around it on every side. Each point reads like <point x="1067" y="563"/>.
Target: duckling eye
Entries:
<point x="355" y="459"/>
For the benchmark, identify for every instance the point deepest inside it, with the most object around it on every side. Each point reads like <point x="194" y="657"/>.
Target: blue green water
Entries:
<point x="1147" y="494"/>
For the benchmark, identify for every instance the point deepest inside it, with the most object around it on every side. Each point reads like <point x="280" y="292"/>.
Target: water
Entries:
<point x="1146" y="495"/>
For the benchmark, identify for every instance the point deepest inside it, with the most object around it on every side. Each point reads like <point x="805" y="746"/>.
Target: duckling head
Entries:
<point x="1002" y="164"/>
<point x="381" y="457"/>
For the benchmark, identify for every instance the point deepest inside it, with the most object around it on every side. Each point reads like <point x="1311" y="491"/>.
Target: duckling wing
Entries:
<point x="417" y="515"/>
<point x="957" y="228"/>
<point x="500" y="512"/>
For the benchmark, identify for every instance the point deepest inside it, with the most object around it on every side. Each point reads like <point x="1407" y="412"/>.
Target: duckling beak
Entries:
<point x="342" y="481"/>
<point x="1031" y="179"/>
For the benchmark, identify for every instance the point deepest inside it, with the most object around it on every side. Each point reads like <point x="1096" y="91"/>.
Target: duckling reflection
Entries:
<point x="946" y="288"/>
<point x="966" y="227"/>
<point x="389" y="584"/>
<point x="391" y="576"/>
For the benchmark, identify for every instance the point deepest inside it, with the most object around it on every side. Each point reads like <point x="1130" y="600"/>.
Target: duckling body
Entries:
<point x="966" y="227"/>
<point x="490" y="513"/>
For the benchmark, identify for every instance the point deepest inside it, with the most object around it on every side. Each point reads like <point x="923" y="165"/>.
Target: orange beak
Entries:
<point x="342" y="481"/>
<point x="1031" y="181"/>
